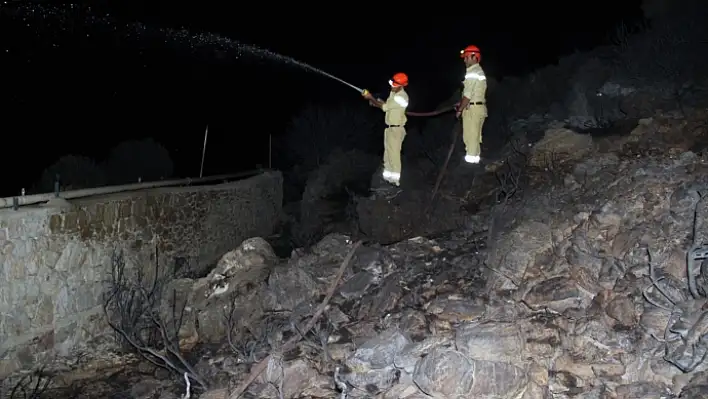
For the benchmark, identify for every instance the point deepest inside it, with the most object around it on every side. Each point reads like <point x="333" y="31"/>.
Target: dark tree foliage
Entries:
<point x="74" y="172"/>
<point x="130" y="161"/>
<point x="145" y="160"/>
<point x="319" y="129"/>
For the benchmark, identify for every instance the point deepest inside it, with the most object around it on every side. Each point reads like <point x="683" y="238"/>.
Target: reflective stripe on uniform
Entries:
<point x="472" y="158"/>
<point x="400" y="101"/>
<point x="475" y="76"/>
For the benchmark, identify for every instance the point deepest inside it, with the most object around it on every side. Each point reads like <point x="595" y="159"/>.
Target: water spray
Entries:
<point x="362" y="91"/>
<point x="190" y="40"/>
<point x="365" y="92"/>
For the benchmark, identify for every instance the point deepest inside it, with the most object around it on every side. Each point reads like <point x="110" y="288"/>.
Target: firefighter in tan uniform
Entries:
<point x="395" y="118"/>
<point x="472" y="107"/>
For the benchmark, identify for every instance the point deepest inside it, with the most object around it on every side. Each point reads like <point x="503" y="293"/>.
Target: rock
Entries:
<point x="697" y="386"/>
<point x="445" y="374"/>
<point x="591" y="167"/>
<point x="295" y="377"/>
<point x="250" y="262"/>
<point x="357" y="285"/>
<point x="559" y="146"/>
<point x="220" y="393"/>
<point x="578" y="290"/>
<point x="450" y="374"/>
<point x="492" y="342"/>
<point x="232" y="290"/>
<point x="562" y="293"/>
<point x="376" y="261"/>
<point x="146" y="389"/>
<point x="642" y="390"/>
<point x="290" y="287"/>
<point x="454" y="309"/>
<point x="333" y="246"/>
<point x="622" y="310"/>
<point x="513" y="249"/>
<point x="371" y="367"/>
<point x="412" y="353"/>
<point x="378" y="352"/>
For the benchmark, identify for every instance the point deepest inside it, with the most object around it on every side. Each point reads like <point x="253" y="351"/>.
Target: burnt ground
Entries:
<point x="567" y="278"/>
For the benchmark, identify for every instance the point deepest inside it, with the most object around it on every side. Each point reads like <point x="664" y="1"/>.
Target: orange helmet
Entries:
<point x="399" y="79"/>
<point x="471" y="50"/>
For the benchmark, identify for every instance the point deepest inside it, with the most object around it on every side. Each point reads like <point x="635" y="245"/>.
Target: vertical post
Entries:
<point x="57" y="185"/>
<point x="270" y="151"/>
<point x="201" y="169"/>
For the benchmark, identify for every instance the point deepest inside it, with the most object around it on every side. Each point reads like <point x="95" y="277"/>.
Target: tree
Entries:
<point x="134" y="160"/>
<point x="319" y="129"/>
<point x="74" y="172"/>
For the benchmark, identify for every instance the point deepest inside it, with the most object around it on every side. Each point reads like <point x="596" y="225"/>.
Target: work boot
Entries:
<point x="380" y="188"/>
<point x="473" y="159"/>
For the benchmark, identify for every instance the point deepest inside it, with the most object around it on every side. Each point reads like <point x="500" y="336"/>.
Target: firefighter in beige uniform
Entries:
<point x="395" y="109"/>
<point x="472" y="107"/>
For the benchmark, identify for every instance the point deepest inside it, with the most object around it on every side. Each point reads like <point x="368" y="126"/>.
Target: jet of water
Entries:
<point x="317" y="70"/>
<point x="30" y="12"/>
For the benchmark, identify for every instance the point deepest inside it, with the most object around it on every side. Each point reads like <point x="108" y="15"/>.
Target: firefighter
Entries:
<point x="395" y="118"/>
<point x="472" y="107"/>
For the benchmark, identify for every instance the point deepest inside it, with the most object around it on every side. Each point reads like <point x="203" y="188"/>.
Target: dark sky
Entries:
<point x="81" y="77"/>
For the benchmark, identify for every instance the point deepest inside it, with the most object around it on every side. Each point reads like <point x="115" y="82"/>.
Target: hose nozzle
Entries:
<point x="365" y="93"/>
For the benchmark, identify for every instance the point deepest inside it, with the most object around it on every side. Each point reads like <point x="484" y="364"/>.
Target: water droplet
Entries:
<point x="45" y="18"/>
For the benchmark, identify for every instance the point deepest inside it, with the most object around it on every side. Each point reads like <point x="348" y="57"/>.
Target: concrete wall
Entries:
<point x="55" y="259"/>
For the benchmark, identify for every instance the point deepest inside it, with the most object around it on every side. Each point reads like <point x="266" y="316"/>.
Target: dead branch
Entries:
<point x="443" y="169"/>
<point x="290" y="344"/>
<point x="509" y="181"/>
<point x="551" y="161"/>
<point x="32" y="386"/>
<point x="694" y="253"/>
<point x="655" y="283"/>
<point x="317" y="338"/>
<point x="132" y="310"/>
<point x="245" y="350"/>
<point x="341" y="384"/>
<point x="188" y="389"/>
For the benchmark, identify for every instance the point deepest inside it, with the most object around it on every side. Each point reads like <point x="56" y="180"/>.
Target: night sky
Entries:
<point x="80" y="78"/>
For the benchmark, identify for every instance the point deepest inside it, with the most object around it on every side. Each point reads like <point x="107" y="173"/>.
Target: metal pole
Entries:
<point x="201" y="169"/>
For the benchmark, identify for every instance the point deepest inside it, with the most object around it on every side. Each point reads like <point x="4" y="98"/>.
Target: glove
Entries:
<point x="458" y="110"/>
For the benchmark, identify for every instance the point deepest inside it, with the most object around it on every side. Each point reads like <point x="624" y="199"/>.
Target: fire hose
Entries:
<point x="364" y="92"/>
<point x="432" y="113"/>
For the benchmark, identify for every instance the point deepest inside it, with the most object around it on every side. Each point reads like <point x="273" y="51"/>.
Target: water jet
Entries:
<point x="65" y="18"/>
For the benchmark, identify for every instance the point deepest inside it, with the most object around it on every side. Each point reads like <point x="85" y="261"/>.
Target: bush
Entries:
<point x="146" y="160"/>
<point x="318" y="130"/>
<point x="329" y="191"/>
<point x="74" y="171"/>
<point x="341" y="169"/>
<point x="658" y="59"/>
<point x="667" y="48"/>
<point x="427" y="143"/>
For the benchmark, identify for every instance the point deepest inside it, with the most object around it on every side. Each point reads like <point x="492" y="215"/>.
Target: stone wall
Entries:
<point x="55" y="259"/>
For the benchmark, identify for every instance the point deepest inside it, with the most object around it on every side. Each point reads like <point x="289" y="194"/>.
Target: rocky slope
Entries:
<point x="575" y="286"/>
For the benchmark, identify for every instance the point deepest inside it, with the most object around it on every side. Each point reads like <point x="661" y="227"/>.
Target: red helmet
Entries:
<point x="471" y="50"/>
<point x="398" y="80"/>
